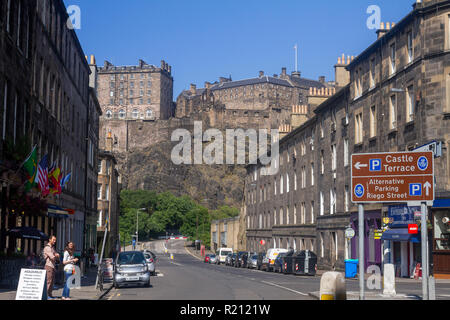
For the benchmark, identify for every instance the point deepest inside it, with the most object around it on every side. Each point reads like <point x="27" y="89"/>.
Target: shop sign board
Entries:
<point x="31" y="284"/>
<point x="401" y="215"/>
<point x="394" y="177"/>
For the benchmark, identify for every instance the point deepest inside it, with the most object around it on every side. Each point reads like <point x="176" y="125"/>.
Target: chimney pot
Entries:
<point x="261" y="74"/>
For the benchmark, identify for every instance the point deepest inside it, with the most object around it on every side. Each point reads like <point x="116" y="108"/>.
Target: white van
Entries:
<point x="272" y="255"/>
<point x="223" y="252"/>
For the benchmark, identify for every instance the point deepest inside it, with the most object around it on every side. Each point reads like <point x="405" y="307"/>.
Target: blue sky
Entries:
<point x="205" y="39"/>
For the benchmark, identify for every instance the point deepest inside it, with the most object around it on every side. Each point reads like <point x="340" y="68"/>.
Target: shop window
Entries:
<point x="442" y="231"/>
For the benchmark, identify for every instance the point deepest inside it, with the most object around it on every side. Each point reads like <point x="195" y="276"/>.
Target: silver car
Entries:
<point x="151" y="260"/>
<point x="213" y="259"/>
<point x="252" y="261"/>
<point x="131" y="269"/>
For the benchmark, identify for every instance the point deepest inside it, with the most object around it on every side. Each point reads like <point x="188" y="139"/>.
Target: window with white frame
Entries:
<point x="359" y="128"/>
<point x="312" y="173"/>
<point x="333" y="157"/>
<point x="392" y="59"/>
<point x="372" y="73"/>
<point x="322" y="163"/>
<point x="312" y="212"/>
<point x="287" y="183"/>
<point x="100" y="219"/>
<point x="332" y="201"/>
<point x="322" y="202"/>
<point x="295" y="181"/>
<point x="281" y="216"/>
<point x="99" y="192"/>
<point x="410" y="104"/>
<point x="393" y="112"/>
<point x="281" y="184"/>
<point x="373" y="121"/>
<point x="410" y="47"/>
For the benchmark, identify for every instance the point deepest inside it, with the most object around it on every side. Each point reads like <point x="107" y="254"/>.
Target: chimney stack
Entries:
<point x="261" y="74"/>
<point x="193" y="88"/>
<point x="207" y="85"/>
<point x="322" y="79"/>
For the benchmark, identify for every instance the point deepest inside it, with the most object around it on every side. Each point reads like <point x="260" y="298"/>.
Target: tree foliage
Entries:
<point x="164" y="212"/>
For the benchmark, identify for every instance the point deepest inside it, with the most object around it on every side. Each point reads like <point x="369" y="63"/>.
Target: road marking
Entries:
<point x="160" y="274"/>
<point x="273" y="284"/>
<point x="192" y="254"/>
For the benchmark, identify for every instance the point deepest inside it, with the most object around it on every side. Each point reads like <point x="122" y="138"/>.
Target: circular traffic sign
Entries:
<point x="422" y="163"/>
<point x="262" y="242"/>
<point x="359" y="190"/>
<point x="349" y="233"/>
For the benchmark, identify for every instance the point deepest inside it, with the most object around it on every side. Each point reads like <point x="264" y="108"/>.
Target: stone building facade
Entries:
<point x="143" y="92"/>
<point x="108" y="196"/>
<point x="397" y="99"/>
<point x="45" y="97"/>
<point x="262" y="102"/>
<point x="224" y="233"/>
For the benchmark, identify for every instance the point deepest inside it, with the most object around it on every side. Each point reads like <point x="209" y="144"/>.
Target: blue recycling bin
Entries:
<point x="351" y="268"/>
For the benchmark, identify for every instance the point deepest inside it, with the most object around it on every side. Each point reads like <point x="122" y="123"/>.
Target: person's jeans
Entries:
<point x="66" y="290"/>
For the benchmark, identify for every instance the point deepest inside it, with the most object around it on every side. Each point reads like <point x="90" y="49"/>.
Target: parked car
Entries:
<point x="223" y="253"/>
<point x="130" y="269"/>
<point x="228" y="259"/>
<point x="207" y="258"/>
<point x="150" y="259"/>
<point x="261" y="257"/>
<point x="252" y="262"/>
<point x="272" y="255"/>
<point x="239" y="259"/>
<point x="213" y="259"/>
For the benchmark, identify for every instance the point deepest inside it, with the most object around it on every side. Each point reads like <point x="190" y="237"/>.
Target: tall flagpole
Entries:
<point x="296" y="57"/>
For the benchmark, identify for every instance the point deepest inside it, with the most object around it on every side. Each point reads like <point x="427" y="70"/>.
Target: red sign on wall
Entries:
<point x="413" y="228"/>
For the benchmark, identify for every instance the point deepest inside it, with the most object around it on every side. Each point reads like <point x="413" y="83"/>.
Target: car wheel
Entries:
<point x="147" y="285"/>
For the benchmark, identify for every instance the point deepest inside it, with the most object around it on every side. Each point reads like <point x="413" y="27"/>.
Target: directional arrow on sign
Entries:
<point x="359" y="165"/>
<point x="427" y="187"/>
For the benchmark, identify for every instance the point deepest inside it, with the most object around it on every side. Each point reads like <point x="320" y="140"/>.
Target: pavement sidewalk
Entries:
<point x="86" y="292"/>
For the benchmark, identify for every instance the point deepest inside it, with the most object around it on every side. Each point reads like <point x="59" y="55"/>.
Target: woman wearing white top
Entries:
<point x="69" y="261"/>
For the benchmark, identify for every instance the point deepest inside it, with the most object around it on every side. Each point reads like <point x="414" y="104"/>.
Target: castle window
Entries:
<point x="108" y="114"/>
<point x="149" y="113"/>
<point x="141" y="101"/>
<point x="149" y="101"/>
<point x="135" y="114"/>
<point x="122" y="114"/>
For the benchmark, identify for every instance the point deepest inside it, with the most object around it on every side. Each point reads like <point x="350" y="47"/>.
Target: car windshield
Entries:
<point x="213" y="256"/>
<point x="224" y="253"/>
<point x="255" y="257"/>
<point x="131" y="258"/>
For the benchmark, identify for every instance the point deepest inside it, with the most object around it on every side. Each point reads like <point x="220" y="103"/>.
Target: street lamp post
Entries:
<point x="137" y="223"/>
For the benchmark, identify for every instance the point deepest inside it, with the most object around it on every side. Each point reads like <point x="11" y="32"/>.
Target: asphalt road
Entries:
<point x="188" y="278"/>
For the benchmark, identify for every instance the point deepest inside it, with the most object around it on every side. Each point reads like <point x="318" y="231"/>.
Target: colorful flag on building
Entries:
<point x="42" y="177"/>
<point x="30" y="165"/>
<point x="65" y="180"/>
<point x="54" y="178"/>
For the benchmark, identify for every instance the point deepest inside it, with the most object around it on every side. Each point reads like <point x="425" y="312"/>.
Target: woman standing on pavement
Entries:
<point x="69" y="261"/>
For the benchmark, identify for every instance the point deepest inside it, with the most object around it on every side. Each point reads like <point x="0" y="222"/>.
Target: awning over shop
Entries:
<point x="58" y="212"/>
<point x="400" y="235"/>
<point x="441" y="203"/>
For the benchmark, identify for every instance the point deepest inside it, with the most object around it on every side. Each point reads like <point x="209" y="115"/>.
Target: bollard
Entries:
<point x="332" y="286"/>
<point x="171" y="256"/>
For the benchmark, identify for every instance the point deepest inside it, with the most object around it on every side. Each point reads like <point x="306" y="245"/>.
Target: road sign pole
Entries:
<point x="361" y="250"/>
<point x="424" y="241"/>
